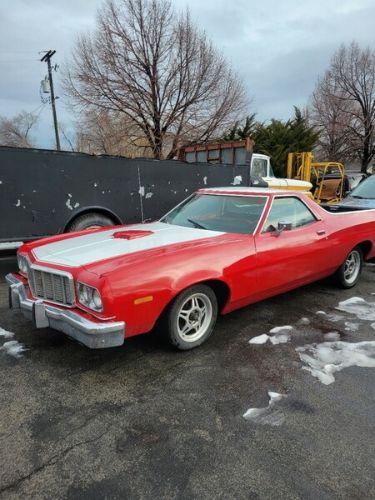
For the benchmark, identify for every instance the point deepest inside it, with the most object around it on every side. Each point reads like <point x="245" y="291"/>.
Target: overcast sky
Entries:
<point x="278" y="47"/>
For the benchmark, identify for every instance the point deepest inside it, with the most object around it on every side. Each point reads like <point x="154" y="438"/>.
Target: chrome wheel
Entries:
<point x="194" y="317"/>
<point x="352" y="267"/>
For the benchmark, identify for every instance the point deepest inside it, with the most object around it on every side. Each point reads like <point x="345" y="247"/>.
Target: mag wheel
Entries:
<point x="192" y="317"/>
<point x="349" y="272"/>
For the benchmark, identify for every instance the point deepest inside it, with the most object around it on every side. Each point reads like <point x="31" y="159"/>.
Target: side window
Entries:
<point x="259" y="167"/>
<point x="289" y="210"/>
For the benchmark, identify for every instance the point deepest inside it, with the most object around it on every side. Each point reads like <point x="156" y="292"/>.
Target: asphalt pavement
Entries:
<point x="143" y="421"/>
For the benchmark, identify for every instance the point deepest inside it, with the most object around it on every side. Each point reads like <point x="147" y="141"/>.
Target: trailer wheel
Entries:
<point x="91" y="220"/>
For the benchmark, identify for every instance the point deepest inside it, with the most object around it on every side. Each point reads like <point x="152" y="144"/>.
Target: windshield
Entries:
<point x="365" y="189"/>
<point x="230" y="214"/>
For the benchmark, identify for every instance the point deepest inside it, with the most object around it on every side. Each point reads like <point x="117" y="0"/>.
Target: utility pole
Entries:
<point x="47" y="58"/>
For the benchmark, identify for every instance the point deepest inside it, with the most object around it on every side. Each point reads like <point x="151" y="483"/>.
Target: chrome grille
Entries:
<point x="53" y="286"/>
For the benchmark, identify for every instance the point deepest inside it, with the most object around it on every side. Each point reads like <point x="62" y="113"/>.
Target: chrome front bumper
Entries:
<point x="90" y="333"/>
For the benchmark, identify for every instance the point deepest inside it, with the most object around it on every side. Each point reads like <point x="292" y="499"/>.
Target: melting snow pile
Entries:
<point x="11" y="347"/>
<point x="5" y="334"/>
<point x="359" y="307"/>
<point x="281" y="336"/>
<point x="268" y="415"/>
<point x="323" y="360"/>
<point x="331" y="317"/>
<point x="260" y="339"/>
<point x="304" y="321"/>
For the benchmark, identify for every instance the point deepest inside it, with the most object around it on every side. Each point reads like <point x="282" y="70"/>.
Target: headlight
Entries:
<point x="22" y="264"/>
<point x="89" y="297"/>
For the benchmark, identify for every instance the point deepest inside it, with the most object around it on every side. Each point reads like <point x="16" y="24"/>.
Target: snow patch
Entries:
<point x="268" y="415"/>
<point x="359" y="307"/>
<point x="237" y="180"/>
<point x="304" y="321"/>
<point x="260" y="339"/>
<point x="281" y="336"/>
<point x="149" y="195"/>
<point x="352" y="327"/>
<point x="205" y="180"/>
<point x="331" y="336"/>
<point x="323" y="360"/>
<point x="331" y="317"/>
<point x="13" y="348"/>
<point x="278" y="329"/>
<point x="18" y="204"/>
<point x="6" y="334"/>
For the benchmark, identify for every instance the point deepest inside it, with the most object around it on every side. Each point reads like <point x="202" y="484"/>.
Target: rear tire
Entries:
<point x="90" y="220"/>
<point x="349" y="273"/>
<point x="191" y="317"/>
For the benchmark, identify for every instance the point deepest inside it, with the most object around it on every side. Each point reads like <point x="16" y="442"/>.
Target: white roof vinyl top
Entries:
<point x="247" y="190"/>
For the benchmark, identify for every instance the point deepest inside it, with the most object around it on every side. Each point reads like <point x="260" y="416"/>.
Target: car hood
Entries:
<point x="83" y="250"/>
<point x="360" y="203"/>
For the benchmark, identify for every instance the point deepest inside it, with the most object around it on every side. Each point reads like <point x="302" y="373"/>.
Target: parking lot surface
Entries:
<point x="144" y="421"/>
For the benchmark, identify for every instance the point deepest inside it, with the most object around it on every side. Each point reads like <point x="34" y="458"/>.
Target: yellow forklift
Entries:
<point x="327" y="178"/>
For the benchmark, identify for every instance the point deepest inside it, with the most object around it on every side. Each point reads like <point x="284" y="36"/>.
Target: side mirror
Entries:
<point x="284" y="226"/>
<point x="281" y="226"/>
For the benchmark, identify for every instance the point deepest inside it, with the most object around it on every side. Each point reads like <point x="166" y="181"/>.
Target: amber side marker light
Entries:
<point x="142" y="300"/>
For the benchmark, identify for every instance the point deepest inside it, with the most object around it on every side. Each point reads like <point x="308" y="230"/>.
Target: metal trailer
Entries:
<point x="45" y="192"/>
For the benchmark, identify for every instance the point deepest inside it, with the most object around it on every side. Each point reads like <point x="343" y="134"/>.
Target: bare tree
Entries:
<point x="157" y="69"/>
<point x="103" y="132"/>
<point x="329" y="112"/>
<point x="15" y="131"/>
<point x="344" y="103"/>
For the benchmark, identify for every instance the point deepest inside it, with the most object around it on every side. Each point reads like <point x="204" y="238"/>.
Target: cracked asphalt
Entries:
<point x="143" y="421"/>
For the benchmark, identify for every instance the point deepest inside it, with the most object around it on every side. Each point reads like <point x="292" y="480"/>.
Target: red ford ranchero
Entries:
<point x="219" y="250"/>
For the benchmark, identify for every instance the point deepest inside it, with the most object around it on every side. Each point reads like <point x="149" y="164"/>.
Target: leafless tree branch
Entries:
<point x="157" y="70"/>
<point x="16" y="131"/>
<point x="343" y="106"/>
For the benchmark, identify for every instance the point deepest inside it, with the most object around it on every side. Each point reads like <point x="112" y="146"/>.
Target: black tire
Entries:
<point x="342" y="276"/>
<point x="172" y="324"/>
<point x="90" y="220"/>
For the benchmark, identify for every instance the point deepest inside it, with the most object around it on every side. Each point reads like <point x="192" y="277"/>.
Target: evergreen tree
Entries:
<point x="277" y="138"/>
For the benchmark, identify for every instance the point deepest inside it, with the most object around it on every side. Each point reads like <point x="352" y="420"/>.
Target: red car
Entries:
<point x="219" y="250"/>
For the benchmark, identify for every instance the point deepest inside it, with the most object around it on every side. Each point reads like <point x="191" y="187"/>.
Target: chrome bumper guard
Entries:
<point x="89" y="333"/>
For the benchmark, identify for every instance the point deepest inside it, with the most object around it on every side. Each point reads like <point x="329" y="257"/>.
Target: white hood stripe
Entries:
<point x="89" y="248"/>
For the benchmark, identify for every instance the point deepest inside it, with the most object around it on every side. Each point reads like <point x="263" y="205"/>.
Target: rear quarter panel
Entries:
<point x="347" y="230"/>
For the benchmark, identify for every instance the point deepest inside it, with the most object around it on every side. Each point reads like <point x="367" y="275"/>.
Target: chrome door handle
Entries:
<point x="320" y="232"/>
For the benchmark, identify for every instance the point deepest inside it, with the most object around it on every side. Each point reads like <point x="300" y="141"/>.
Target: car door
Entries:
<point x="292" y="257"/>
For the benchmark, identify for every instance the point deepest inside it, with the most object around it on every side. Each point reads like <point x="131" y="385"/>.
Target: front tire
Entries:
<point x="191" y="317"/>
<point x="349" y="273"/>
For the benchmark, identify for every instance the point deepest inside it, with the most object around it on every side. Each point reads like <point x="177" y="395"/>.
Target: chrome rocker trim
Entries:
<point x="89" y="333"/>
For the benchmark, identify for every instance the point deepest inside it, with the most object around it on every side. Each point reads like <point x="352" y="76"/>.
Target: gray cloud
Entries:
<point x="278" y="47"/>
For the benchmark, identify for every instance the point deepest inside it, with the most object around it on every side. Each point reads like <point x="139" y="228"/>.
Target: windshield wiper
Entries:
<point x="196" y="224"/>
<point x="356" y="196"/>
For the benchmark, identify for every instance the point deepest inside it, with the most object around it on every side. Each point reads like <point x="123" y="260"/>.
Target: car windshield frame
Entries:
<point x="356" y="193"/>
<point x="245" y="223"/>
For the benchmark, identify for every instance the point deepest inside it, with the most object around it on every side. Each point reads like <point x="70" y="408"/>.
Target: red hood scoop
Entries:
<point x="131" y="234"/>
